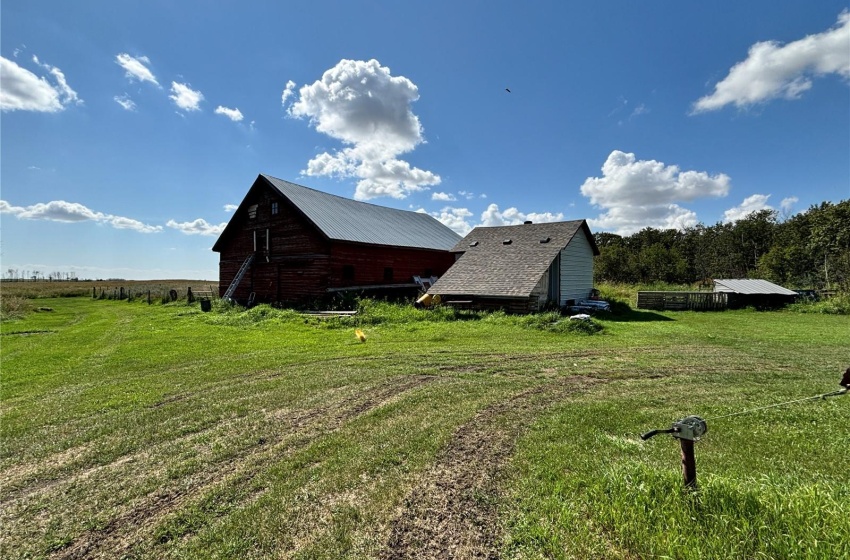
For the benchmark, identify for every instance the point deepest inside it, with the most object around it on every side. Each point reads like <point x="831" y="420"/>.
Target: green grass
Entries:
<point x="161" y="431"/>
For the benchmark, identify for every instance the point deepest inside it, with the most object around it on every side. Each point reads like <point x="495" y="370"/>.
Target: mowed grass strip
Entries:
<point x="153" y="431"/>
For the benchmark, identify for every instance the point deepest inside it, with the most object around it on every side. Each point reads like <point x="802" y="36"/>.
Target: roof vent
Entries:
<point x="506" y="242"/>
<point x="474" y="244"/>
<point x="528" y="222"/>
<point x="546" y="240"/>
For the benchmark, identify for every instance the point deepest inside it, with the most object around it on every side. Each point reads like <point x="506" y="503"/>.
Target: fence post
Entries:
<point x="149" y="297"/>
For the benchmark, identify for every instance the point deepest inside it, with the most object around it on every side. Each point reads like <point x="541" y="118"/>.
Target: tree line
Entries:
<point x="20" y="275"/>
<point x="810" y="250"/>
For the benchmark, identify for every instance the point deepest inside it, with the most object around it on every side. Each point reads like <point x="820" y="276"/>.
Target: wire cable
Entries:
<point x="823" y="396"/>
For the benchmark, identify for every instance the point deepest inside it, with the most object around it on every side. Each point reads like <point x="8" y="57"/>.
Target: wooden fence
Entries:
<point x="683" y="301"/>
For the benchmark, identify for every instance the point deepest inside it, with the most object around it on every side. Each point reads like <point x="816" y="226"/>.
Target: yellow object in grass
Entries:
<point x="360" y="335"/>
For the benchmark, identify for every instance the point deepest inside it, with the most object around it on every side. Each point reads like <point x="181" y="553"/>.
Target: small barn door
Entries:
<point x="261" y="242"/>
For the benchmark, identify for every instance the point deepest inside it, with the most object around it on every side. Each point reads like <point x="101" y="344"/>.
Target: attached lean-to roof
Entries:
<point x="751" y="286"/>
<point x="491" y="267"/>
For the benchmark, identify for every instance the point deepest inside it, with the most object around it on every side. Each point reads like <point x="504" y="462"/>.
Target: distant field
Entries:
<point x="45" y="289"/>
<point x="158" y="431"/>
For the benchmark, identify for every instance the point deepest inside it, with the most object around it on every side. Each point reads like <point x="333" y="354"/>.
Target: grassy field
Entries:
<point x="159" y="431"/>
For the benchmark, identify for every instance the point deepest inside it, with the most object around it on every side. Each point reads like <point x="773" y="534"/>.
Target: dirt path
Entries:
<point x="453" y="510"/>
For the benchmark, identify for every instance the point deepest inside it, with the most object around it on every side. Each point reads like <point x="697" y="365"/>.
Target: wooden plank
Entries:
<point x="682" y="301"/>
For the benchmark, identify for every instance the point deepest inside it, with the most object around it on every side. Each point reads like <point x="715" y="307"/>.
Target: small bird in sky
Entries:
<point x="507" y="90"/>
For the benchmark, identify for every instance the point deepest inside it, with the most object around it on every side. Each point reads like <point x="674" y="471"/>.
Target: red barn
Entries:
<point x="294" y="245"/>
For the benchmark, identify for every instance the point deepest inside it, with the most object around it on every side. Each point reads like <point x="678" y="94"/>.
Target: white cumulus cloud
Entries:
<point x="788" y="203"/>
<point x="24" y="91"/>
<point x="288" y="92"/>
<point x="772" y="70"/>
<point x="230" y="207"/>
<point x="361" y="104"/>
<point x="751" y="204"/>
<point x="66" y="94"/>
<point x="492" y="216"/>
<point x="197" y="227"/>
<point x="447" y="197"/>
<point x="120" y="222"/>
<point x="233" y="114"/>
<point x="455" y="218"/>
<point x="136" y="67"/>
<point x="71" y="212"/>
<point x="125" y="101"/>
<point x="643" y="193"/>
<point x="185" y="97"/>
<point x="459" y="219"/>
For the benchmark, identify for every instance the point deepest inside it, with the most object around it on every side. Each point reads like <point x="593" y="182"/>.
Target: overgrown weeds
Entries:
<point x="839" y="304"/>
<point x="14" y="307"/>
<point x="372" y="313"/>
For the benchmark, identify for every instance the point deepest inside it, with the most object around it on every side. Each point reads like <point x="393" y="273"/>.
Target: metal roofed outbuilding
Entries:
<point x="757" y="293"/>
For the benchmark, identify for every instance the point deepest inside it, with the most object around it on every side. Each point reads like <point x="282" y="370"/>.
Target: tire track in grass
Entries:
<point x="453" y="510"/>
<point x="237" y="436"/>
<point x="133" y="527"/>
<point x="35" y="477"/>
<point x="69" y="466"/>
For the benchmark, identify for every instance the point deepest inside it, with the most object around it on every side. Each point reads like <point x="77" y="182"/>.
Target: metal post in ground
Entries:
<point x="687" y="430"/>
<point x="689" y="464"/>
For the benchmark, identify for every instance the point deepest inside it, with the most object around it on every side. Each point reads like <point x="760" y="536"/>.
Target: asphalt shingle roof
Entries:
<point x="491" y="267"/>
<point x="344" y="219"/>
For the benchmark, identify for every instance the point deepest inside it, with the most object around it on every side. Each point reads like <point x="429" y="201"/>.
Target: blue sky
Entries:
<point x="130" y="129"/>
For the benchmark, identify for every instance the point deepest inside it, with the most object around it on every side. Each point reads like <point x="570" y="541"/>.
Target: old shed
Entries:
<point x="520" y="268"/>
<point x="751" y="292"/>
<point x="291" y="244"/>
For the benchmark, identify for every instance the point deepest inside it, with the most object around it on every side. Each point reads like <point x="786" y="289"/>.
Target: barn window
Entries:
<point x="348" y="272"/>
<point x="388" y="274"/>
<point x="275" y="208"/>
<point x="252" y="211"/>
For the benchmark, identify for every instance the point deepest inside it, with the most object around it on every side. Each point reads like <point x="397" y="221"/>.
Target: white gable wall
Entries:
<point x="576" y="268"/>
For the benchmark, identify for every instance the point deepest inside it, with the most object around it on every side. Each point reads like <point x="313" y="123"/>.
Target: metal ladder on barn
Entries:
<point x="228" y="294"/>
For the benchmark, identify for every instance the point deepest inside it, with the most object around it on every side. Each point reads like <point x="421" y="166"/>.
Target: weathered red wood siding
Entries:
<point x="295" y="266"/>
<point x="371" y="261"/>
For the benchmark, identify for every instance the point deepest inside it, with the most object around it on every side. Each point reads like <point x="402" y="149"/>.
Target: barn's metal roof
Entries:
<point x="344" y="219"/>
<point x="507" y="261"/>
<point x="751" y="286"/>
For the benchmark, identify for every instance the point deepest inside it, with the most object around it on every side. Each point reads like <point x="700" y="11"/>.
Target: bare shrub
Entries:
<point x="14" y="307"/>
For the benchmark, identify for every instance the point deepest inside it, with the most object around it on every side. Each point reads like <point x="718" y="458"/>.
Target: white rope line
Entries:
<point x="823" y="396"/>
